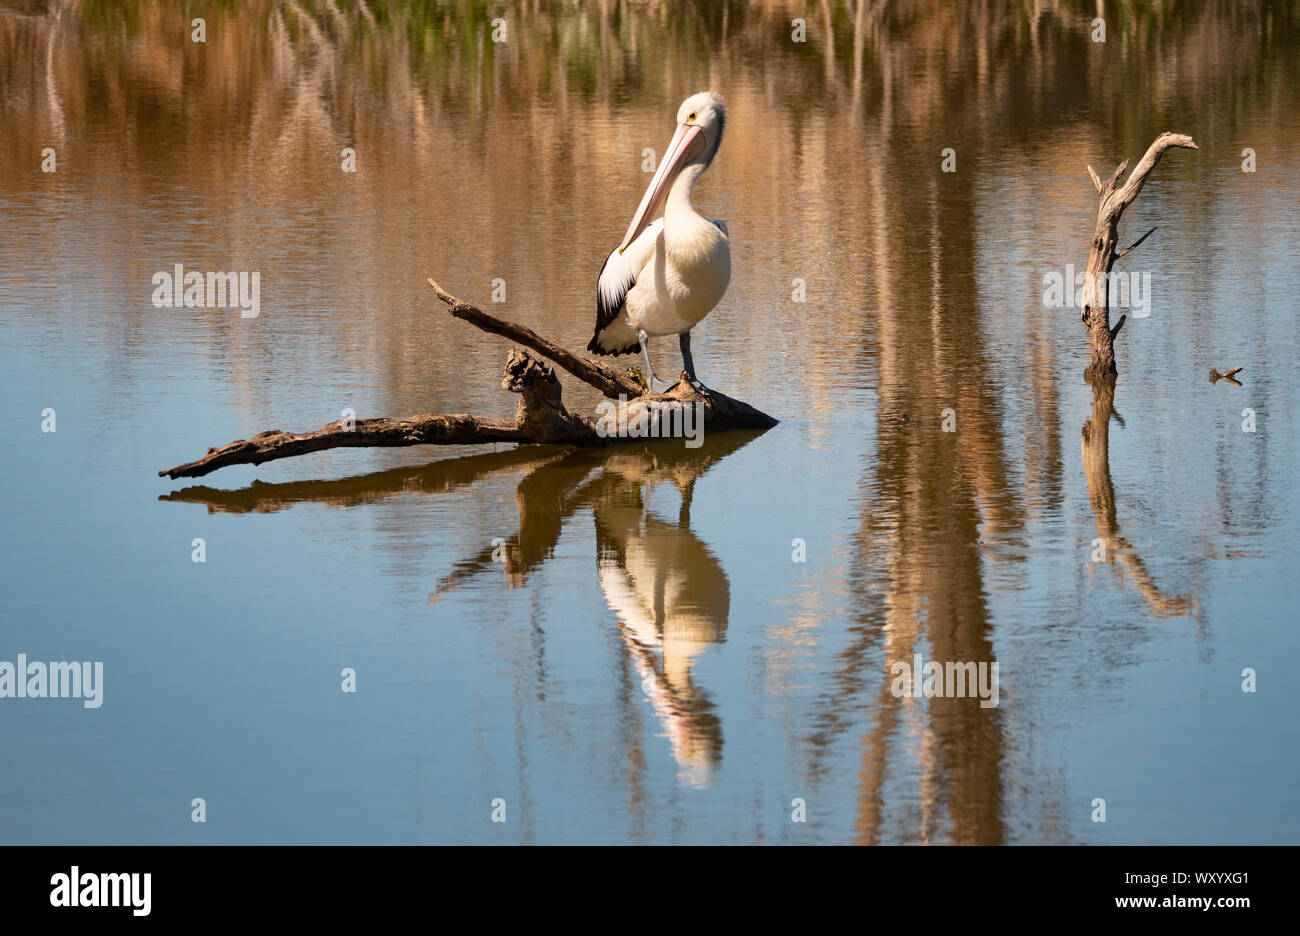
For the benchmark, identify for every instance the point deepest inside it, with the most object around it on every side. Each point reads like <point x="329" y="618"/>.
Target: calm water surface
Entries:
<point x="648" y="664"/>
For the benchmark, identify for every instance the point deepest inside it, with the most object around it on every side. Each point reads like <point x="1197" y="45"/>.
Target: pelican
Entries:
<point x="669" y="272"/>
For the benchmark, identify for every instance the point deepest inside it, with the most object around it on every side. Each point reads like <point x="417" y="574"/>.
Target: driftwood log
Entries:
<point x="540" y="416"/>
<point x="1114" y="198"/>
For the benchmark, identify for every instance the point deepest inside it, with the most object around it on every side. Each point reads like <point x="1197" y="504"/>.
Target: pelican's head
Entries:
<point x="700" y="120"/>
<point x="706" y="111"/>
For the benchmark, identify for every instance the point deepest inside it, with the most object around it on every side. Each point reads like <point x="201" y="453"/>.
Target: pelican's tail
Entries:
<point x="615" y="338"/>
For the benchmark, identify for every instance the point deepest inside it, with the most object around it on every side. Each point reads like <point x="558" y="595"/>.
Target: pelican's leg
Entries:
<point x="688" y="362"/>
<point x="656" y="385"/>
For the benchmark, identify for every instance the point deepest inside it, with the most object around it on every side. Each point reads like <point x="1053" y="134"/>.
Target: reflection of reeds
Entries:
<point x="400" y="68"/>
<point x="930" y="498"/>
<point x="448" y="123"/>
<point x="51" y="84"/>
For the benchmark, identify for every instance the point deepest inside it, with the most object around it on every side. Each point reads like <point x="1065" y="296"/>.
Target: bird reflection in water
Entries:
<point x="671" y="597"/>
<point x="668" y="591"/>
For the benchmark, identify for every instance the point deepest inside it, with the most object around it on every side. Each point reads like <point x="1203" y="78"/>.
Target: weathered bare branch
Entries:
<point x="1133" y="185"/>
<point x="417" y="430"/>
<point x="608" y="380"/>
<point x="1113" y="180"/>
<point x="1133" y="246"/>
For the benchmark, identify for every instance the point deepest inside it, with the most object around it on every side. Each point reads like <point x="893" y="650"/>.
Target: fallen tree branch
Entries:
<point x="1113" y="199"/>
<point x="540" y="416"/>
<point x="381" y="433"/>
<point x="608" y="380"/>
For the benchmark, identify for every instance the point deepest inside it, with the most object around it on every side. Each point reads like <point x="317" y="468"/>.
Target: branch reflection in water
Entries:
<point x="1095" y="442"/>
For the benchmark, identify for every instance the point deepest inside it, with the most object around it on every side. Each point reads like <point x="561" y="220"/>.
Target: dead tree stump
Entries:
<point x="1114" y="198"/>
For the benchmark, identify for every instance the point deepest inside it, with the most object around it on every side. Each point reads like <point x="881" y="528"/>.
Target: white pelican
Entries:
<point x="668" y="273"/>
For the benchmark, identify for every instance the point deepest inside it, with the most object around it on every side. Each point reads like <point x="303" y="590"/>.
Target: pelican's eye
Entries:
<point x="691" y="116"/>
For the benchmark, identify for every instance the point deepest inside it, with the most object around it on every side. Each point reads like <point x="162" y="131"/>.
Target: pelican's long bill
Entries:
<point x="686" y="144"/>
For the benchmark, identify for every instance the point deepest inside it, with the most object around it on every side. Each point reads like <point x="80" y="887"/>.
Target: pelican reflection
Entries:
<point x="671" y="597"/>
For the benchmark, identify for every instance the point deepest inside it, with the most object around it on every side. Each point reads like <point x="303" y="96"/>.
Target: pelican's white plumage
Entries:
<point x="617" y="278"/>
<point x="671" y="272"/>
